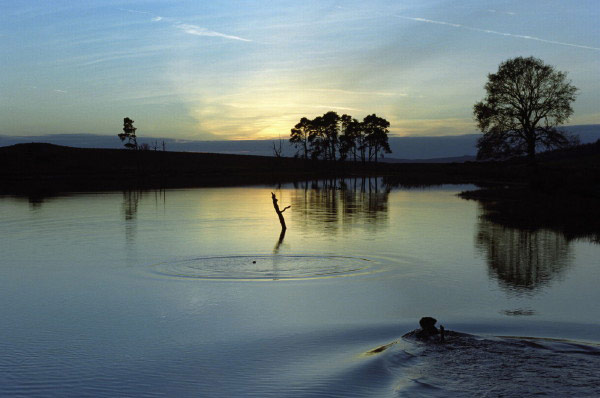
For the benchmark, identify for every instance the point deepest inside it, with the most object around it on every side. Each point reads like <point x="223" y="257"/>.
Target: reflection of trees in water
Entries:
<point x="131" y="200"/>
<point x="522" y="260"/>
<point x="573" y="216"/>
<point x="130" y="205"/>
<point x="333" y="203"/>
<point x="35" y="201"/>
<point x="129" y="208"/>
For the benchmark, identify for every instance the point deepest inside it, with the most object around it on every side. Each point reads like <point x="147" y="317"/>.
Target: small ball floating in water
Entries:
<point x="253" y="262"/>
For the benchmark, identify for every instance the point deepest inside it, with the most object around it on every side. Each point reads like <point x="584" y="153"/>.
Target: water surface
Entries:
<point x="196" y="293"/>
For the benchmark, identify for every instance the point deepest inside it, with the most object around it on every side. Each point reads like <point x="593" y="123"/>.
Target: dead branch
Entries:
<point x="279" y="212"/>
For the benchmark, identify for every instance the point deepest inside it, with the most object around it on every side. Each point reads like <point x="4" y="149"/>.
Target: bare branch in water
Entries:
<point x="279" y="212"/>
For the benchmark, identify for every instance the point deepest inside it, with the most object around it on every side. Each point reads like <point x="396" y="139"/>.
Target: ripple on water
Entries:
<point x="269" y="267"/>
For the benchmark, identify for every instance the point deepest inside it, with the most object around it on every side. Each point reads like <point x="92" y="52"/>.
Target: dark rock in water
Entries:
<point x="428" y="331"/>
<point x="428" y="325"/>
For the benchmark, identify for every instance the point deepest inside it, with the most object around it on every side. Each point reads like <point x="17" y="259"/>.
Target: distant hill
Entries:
<point x="415" y="149"/>
<point x="452" y="159"/>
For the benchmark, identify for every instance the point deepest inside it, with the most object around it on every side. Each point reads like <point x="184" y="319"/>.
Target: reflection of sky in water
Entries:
<point x="359" y="218"/>
<point x="94" y="280"/>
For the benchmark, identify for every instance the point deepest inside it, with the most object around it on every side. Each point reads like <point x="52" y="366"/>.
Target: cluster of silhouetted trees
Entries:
<point x="333" y="137"/>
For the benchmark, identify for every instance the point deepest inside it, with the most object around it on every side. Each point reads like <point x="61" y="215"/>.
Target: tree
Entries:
<point x="129" y="134"/>
<point x="348" y="141"/>
<point x="330" y="128"/>
<point x="299" y="136"/>
<point x="278" y="148"/>
<point x="526" y="100"/>
<point x="323" y="136"/>
<point x="376" y="132"/>
<point x="332" y="137"/>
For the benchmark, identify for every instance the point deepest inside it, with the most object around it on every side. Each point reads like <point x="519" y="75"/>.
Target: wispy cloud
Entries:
<point x="134" y="11"/>
<point x="339" y="108"/>
<point x="199" y="31"/>
<point x="502" y="12"/>
<point x="352" y="92"/>
<point x="60" y="91"/>
<point x="494" y="32"/>
<point x="190" y="29"/>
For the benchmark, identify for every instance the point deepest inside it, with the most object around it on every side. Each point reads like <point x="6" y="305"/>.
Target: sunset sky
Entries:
<point x="251" y="69"/>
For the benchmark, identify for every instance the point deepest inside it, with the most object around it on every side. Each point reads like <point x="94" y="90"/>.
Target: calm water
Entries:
<point x="195" y="293"/>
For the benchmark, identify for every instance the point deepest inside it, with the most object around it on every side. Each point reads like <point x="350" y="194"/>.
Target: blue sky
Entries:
<point x="252" y="69"/>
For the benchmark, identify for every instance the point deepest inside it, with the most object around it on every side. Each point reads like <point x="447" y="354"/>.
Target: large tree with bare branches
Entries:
<point x="526" y="100"/>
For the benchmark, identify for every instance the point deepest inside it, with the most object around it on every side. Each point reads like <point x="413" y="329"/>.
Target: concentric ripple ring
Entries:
<point x="268" y="267"/>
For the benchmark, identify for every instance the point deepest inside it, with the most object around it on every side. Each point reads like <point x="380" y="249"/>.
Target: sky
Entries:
<point x="251" y="69"/>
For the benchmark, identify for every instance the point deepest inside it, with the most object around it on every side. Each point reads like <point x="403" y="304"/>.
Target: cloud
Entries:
<point x="358" y="93"/>
<point x="339" y="108"/>
<point x="156" y="19"/>
<point x="134" y="11"/>
<point x="454" y="25"/>
<point x="199" y="31"/>
<point x="60" y="91"/>
<point x="502" y="12"/>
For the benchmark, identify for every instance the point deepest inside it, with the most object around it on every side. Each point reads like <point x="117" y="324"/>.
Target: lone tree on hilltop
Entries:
<point x="129" y="134"/>
<point x="526" y="100"/>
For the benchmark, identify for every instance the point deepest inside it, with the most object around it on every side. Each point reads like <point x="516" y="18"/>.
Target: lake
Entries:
<point x="195" y="292"/>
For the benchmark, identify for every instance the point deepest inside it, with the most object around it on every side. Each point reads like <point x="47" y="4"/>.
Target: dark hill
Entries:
<point x="47" y="167"/>
<point x="41" y="166"/>
<point x="51" y="166"/>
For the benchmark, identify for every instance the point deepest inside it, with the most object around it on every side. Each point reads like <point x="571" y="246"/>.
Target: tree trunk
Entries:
<point x="279" y="212"/>
<point x="531" y="150"/>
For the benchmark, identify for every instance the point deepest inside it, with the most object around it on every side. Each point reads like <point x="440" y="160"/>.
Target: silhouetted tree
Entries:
<point x="129" y="134"/>
<point x="376" y="133"/>
<point x="278" y="148"/>
<point x="331" y="121"/>
<point x="330" y="137"/>
<point x="525" y="101"/>
<point x="323" y="136"/>
<point x="299" y="136"/>
<point x="349" y="140"/>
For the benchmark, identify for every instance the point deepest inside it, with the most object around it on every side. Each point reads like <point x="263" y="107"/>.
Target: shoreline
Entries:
<point x="26" y="168"/>
<point x="39" y="167"/>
